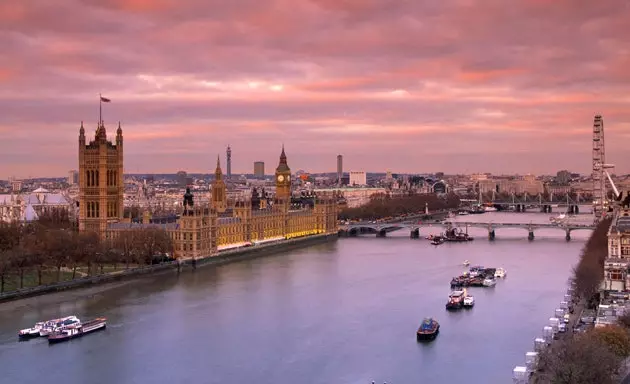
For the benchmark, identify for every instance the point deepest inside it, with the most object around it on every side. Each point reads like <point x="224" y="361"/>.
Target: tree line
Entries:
<point x="383" y="205"/>
<point x="596" y="355"/>
<point x="52" y="244"/>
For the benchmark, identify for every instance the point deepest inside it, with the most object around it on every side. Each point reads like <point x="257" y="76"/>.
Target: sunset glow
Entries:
<point x="453" y="86"/>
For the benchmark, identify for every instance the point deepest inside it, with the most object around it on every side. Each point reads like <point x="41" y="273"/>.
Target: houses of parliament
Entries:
<point x="203" y="227"/>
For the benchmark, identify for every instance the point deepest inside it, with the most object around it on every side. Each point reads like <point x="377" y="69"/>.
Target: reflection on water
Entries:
<point x="344" y="312"/>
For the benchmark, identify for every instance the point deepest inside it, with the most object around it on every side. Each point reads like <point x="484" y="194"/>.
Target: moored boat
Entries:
<point x="456" y="300"/>
<point x="500" y="273"/>
<point x="30" y="333"/>
<point x="437" y="240"/>
<point x="469" y="302"/>
<point x="428" y="330"/>
<point x="55" y="325"/>
<point x="74" y="331"/>
<point x="489" y="282"/>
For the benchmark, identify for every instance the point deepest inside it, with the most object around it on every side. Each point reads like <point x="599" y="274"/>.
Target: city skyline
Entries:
<point x="462" y="87"/>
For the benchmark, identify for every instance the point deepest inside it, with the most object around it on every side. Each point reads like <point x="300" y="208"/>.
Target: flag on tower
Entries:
<point x="105" y="99"/>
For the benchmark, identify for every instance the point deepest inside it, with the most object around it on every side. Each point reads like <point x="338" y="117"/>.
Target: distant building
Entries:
<point x="388" y="176"/>
<point x="16" y="185"/>
<point x="339" y="169"/>
<point x="259" y="169"/>
<point x="228" y="153"/>
<point x="617" y="265"/>
<point x="478" y="176"/>
<point x="181" y="178"/>
<point x="358" y="178"/>
<point x="28" y="206"/>
<point x="73" y="177"/>
<point x="563" y="177"/>
<point x="439" y="187"/>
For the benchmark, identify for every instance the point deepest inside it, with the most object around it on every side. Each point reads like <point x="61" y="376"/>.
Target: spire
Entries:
<point x="82" y="130"/>
<point x="283" y="167"/>
<point x="218" y="173"/>
<point x="119" y="130"/>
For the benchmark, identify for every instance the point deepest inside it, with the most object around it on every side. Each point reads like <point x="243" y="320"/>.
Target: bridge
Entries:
<point x="381" y="229"/>
<point x="523" y="202"/>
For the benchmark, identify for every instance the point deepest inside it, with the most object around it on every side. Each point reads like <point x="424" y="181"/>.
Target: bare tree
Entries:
<point x="152" y="242"/>
<point x="589" y="272"/>
<point x="615" y="337"/>
<point x="583" y="359"/>
<point x="6" y="266"/>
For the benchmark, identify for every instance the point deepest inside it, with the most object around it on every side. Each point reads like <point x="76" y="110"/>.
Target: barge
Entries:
<point x="75" y="331"/>
<point x="429" y="329"/>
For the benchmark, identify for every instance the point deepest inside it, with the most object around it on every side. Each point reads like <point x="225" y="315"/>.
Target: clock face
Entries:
<point x="280" y="178"/>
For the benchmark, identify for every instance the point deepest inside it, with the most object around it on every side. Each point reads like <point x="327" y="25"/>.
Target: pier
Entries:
<point x="381" y="229"/>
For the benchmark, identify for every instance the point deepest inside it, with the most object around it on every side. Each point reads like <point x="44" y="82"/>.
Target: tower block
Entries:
<point x="101" y="184"/>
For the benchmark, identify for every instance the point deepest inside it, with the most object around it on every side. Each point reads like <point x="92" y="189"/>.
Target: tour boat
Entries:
<point x="469" y="301"/>
<point x="428" y="330"/>
<point x="77" y="330"/>
<point x="500" y="273"/>
<point x="489" y="282"/>
<point x="456" y="299"/>
<point x="30" y="333"/>
<point x="51" y="326"/>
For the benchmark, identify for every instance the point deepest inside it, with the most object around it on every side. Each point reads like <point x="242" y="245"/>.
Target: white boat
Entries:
<point x="500" y="273"/>
<point x="488" y="282"/>
<point x="466" y="263"/>
<point x="29" y="333"/>
<point x="57" y="325"/>
<point x="489" y="209"/>
<point x="469" y="301"/>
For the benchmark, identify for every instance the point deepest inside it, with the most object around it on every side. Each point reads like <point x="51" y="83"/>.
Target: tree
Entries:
<point x="6" y="266"/>
<point x="589" y="272"/>
<point x="126" y="243"/>
<point x="55" y="218"/>
<point x="615" y="337"/>
<point x="151" y="242"/>
<point x="58" y="245"/>
<point x="583" y="359"/>
<point x="382" y="205"/>
<point x="624" y="320"/>
<point x="84" y="253"/>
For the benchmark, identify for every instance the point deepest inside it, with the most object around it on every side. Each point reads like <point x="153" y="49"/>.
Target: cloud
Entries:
<point x="454" y="86"/>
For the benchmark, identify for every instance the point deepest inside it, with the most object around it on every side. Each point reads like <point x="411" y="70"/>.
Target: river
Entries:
<point x="342" y="312"/>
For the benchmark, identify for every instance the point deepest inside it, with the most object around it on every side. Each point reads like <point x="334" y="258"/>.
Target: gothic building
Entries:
<point x="101" y="187"/>
<point x="203" y="230"/>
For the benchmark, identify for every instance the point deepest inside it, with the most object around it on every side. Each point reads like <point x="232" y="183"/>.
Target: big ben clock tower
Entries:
<point x="283" y="178"/>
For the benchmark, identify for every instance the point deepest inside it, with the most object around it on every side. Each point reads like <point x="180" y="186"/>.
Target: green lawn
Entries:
<point x="12" y="282"/>
<point x="30" y="279"/>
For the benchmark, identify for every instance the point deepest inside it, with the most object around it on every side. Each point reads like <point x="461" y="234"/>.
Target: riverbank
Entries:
<point x="221" y="258"/>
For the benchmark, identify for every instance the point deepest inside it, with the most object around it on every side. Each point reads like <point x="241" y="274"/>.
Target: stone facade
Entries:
<point x="101" y="186"/>
<point x="617" y="265"/>
<point x="203" y="230"/>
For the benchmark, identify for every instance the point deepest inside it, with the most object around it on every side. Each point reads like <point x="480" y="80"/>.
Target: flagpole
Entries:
<point x="100" y="110"/>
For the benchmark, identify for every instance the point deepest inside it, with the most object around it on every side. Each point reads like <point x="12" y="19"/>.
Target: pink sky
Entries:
<point x="402" y="85"/>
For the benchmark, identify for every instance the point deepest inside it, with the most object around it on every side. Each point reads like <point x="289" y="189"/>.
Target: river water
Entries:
<point x="343" y="312"/>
